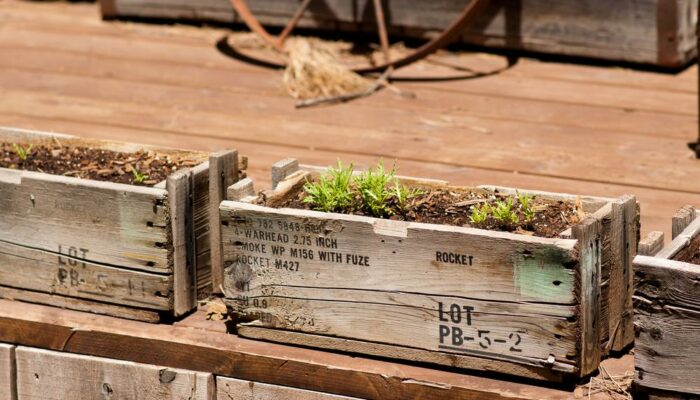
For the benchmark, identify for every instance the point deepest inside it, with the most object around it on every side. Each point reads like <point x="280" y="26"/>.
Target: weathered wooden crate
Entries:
<point x="130" y="251"/>
<point x="657" y="32"/>
<point x="667" y="311"/>
<point x="469" y="298"/>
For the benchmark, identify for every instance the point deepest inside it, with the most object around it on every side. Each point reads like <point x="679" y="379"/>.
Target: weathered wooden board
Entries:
<point x="660" y="32"/>
<point x="237" y="389"/>
<point x="473" y="292"/>
<point x="100" y="222"/>
<point x="44" y="374"/>
<point x="8" y="391"/>
<point x="42" y="271"/>
<point x="667" y="317"/>
<point x="224" y="171"/>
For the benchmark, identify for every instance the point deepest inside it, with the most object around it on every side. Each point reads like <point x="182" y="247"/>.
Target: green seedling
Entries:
<point x="503" y="212"/>
<point x="526" y="205"/>
<point x="373" y="186"/>
<point x="402" y="194"/>
<point x="138" y="176"/>
<point x="22" y="152"/>
<point x="332" y="191"/>
<point x="480" y="214"/>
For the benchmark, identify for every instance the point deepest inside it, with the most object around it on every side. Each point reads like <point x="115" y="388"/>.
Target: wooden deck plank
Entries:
<point x="202" y="349"/>
<point x="534" y="150"/>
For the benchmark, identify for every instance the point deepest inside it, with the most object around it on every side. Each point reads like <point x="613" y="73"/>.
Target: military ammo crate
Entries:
<point x="139" y="252"/>
<point x="667" y="310"/>
<point x="543" y="308"/>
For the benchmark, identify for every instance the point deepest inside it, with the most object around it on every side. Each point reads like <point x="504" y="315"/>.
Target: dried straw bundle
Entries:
<point x="314" y="70"/>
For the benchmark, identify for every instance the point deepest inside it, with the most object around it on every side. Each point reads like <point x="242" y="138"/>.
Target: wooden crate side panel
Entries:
<point x="47" y="375"/>
<point x="368" y="253"/>
<point x="667" y="319"/>
<point x="237" y="389"/>
<point x="8" y="390"/>
<point x="347" y="272"/>
<point x="630" y="31"/>
<point x="93" y="307"/>
<point x="42" y="271"/>
<point x="100" y="222"/>
<point x="202" y="229"/>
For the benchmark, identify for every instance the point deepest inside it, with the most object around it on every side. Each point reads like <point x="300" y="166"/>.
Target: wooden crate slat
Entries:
<point x="98" y="221"/>
<point x="43" y="271"/>
<point x="238" y="389"/>
<point x="8" y="391"/>
<point x="85" y="305"/>
<point x="202" y="229"/>
<point x="180" y="211"/>
<point x="224" y="171"/>
<point x="43" y="374"/>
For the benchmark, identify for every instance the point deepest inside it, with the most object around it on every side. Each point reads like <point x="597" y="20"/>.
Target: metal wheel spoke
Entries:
<point x="381" y="28"/>
<point x="293" y="22"/>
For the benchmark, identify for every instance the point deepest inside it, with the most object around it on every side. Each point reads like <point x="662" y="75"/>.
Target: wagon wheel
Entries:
<point x="472" y="9"/>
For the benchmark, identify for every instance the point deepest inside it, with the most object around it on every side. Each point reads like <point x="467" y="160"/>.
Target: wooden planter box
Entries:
<point x="461" y="297"/>
<point x="656" y="32"/>
<point x="667" y="312"/>
<point x="130" y="251"/>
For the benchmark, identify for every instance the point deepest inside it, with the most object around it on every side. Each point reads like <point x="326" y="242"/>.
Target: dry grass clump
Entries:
<point x="314" y="70"/>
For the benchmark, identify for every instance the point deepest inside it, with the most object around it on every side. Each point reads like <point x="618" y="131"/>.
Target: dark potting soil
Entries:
<point x="144" y="168"/>
<point x="691" y="253"/>
<point x="453" y="207"/>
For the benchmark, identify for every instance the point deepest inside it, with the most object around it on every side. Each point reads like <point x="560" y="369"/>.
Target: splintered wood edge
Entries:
<point x="651" y="244"/>
<point x="240" y="190"/>
<point x="223" y="171"/>
<point x="524" y="367"/>
<point x="681" y="241"/>
<point x="183" y="271"/>
<point x="681" y="219"/>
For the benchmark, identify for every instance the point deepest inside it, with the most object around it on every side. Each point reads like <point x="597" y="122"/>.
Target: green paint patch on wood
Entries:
<point x="543" y="276"/>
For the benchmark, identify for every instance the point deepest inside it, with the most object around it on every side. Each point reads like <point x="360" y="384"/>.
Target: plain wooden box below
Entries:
<point x="131" y="251"/>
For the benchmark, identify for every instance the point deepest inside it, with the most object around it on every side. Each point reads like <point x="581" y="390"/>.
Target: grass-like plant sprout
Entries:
<point x="480" y="214"/>
<point x="138" y="176"/>
<point x="22" y="152"/>
<point x="503" y="212"/>
<point x="526" y="205"/>
<point x="373" y="186"/>
<point x="332" y="191"/>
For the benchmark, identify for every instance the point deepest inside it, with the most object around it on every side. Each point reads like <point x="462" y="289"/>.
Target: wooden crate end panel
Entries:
<point x="224" y="171"/>
<point x="182" y="251"/>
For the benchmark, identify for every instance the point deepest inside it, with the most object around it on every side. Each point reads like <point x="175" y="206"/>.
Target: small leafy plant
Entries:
<point x="402" y="194"/>
<point x="480" y="214"/>
<point x="332" y="191"/>
<point x="22" y="152"/>
<point x="373" y="187"/>
<point x="526" y="205"/>
<point x="503" y="212"/>
<point x="138" y="176"/>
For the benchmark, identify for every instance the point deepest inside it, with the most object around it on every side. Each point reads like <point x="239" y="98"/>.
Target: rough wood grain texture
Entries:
<point x="42" y="271"/>
<point x="224" y="171"/>
<point x="181" y="234"/>
<point x="282" y="169"/>
<point x="390" y="275"/>
<point x="667" y="318"/>
<point x="681" y="241"/>
<point x="207" y="348"/>
<point x="201" y="225"/>
<point x="240" y="190"/>
<point x="8" y="390"/>
<point x="100" y="222"/>
<point x="44" y="374"/>
<point x="636" y="31"/>
<point x="95" y="307"/>
<point x="681" y="219"/>
<point x="587" y="233"/>
<point x="626" y="230"/>
<point x="651" y="244"/>
<point x="237" y="389"/>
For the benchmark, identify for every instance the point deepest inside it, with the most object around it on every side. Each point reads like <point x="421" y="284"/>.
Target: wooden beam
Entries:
<point x="237" y="389"/>
<point x="223" y="172"/>
<point x="651" y="244"/>
<point x="209" y="350"/>
<point x="179" y="207"/>
<point x="681" y="219"/>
